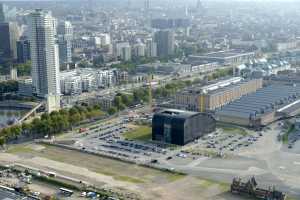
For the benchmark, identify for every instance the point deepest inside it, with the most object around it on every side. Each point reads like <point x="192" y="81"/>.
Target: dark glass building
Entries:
<point x="181" y="127"/>
<point x="5" y="45"/>
<point x="23" y="51"/>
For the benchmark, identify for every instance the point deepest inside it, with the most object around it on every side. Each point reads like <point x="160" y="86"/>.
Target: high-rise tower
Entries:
<point x="44" y="54"/>
<point x="2" y="15"/>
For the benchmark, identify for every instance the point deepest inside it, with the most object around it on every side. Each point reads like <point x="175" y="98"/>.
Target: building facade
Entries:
<point x="181" y="127"/>
<point x="214" y="96"/>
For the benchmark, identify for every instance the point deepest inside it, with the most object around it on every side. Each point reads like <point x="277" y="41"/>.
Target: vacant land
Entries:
<point x="121" y="171"/>
<point x="141" y="133"/>
<point x="149" y="183"/>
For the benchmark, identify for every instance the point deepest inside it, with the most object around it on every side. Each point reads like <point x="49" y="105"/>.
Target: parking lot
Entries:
<point x="107" y="138"/>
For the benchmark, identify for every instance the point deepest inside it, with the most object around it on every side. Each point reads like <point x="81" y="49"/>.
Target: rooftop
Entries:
<point x="224" y="54"/>
<point x="177" y="113"/>
<point x="266" y="100"/>
<point x="216" y="87"/>
<point x="9" y="194"/>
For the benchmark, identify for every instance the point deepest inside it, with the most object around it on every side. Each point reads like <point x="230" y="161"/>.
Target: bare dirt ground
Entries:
<point x="149" y="183"/>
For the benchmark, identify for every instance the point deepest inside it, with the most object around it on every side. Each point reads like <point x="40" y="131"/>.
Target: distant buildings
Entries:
<point x="84" y="80"/>
<point x="231" y="57"/>
<point x="44" y="54"/>
<point x="181" y="127"/>
<point x="105" y="39"/>
<point x="139" y="50"/>
<point x="151" y="48"/>
<point x="286" y="45"/>
<point x="169" y="68"/>
<point x="262" y="67"/>
<point x="123" y="51"/>
<point x="165" y="43"/>
<point x="214" y="96"/>
<point x="170" y="23"/>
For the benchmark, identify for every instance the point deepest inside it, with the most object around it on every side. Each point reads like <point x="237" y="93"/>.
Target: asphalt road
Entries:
<point x="266" y="160"/>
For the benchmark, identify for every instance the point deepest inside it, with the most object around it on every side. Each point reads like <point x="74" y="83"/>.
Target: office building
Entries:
<point x="165" y="43"/>
<point x="123" y="51"/>
<point x="105" y="39"/>
<point x="44" y="54"/>
<point x="216" y="95"/>
<point x="65" y="37"/>
<point x="181" y="127"/>
<point x="139" y="50"/>
<point x="9" y="35"/>
<point x="65" y="28"/>
<point x="65" y="50"/>
<point x="151" y="48"/>
<point x="23" y="51"/>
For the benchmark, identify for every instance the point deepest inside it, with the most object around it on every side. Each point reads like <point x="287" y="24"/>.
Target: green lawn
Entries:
<point x="285" y="138"/>
<point x="141" y="133"/>
<point x="19" y="149"/>
<point x="232" y="129"/>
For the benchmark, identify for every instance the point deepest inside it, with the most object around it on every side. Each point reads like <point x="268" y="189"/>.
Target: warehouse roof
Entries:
<point x="265" y="100"/>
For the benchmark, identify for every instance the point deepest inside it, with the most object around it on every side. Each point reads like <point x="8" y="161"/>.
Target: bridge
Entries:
<point x="32" y="111"/>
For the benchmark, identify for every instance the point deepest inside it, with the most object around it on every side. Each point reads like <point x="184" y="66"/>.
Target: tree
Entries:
<point x="127" y="99"/>
<point x="118" y="102"/>
<point x="2" y="140"/>
<point x="74" y="119"/>
<point x="45" y="116"/>
<point x="24" y="69"/>
<point x="112" y="110"/>
<point x="8" y="86"/>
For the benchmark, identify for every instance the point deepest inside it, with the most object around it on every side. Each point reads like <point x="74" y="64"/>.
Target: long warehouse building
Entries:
<point x="216" y="95"/>
<point x="262" y="107"/>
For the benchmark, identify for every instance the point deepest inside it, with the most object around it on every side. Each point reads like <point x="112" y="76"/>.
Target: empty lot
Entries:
<point x="147" y="182"/>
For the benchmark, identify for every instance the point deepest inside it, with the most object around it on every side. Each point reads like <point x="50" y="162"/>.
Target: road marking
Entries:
<point x="281" y="167"/>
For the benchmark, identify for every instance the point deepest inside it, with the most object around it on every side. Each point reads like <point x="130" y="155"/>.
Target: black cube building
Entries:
<point x="181" y="127"/>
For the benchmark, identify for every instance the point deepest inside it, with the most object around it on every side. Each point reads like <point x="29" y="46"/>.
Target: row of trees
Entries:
<point x="131" y="65"/>
<point x="220" y="73"/>
<point x="141" y="95"/>
<point x="51" y="124"/>
<point x="24" y="69"/>
<point x="8" y="86"/>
